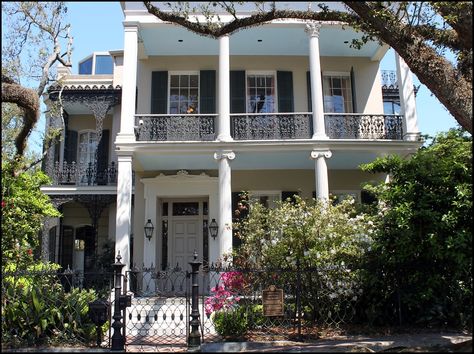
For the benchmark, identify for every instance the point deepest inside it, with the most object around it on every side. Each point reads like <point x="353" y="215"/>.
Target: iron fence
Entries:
<point x="47" y="307"/>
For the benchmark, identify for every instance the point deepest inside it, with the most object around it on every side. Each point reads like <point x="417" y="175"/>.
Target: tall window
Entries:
<point x="87" y="147"/>
<point x="184" y="93"/>
<point x="261" y="93"/>
<point x="391" y="107"/>
<point x="337" y="93"/>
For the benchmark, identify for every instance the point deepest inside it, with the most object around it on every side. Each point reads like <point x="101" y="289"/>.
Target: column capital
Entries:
<point x="224" y="154"/>
<point x="131" y="26"/>
<point x="312" y="29"/>
<point x="321" y="153"/>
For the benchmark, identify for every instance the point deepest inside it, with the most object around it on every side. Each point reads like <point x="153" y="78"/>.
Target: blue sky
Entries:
<point x="97" y="26"/>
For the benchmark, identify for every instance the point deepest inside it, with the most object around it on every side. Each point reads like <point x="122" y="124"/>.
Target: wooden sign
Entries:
<point x="272" y="301"/>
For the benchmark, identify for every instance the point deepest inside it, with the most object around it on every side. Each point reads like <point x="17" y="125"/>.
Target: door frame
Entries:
<point x="171" y="218"/>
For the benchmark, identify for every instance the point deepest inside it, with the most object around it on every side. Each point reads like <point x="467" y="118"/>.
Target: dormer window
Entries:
<point x="97" y="64"/>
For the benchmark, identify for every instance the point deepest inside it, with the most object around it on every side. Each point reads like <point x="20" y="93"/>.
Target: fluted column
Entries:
<point x="129" y="83"/>
<point x="223" y="133"/>
<point x="124" y="209"/>
<point x="407" y="100"/>
<point x="319" y="130"/>
<point x="321" y="173"/>
<point x="225" y="201"/>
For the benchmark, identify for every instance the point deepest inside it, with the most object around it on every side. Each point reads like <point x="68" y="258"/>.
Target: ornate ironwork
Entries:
<point x="271" y="126"/>
<point x="83" y="174"/>
<point x="184" y="127"/>
<point x="389" y="79"/>
<point x="363" y="126"/>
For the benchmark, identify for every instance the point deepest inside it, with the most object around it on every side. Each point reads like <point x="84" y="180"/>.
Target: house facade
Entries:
<point x="168" y="131"/>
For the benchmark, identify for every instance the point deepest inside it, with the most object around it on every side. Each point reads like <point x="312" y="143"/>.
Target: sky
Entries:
<point x="97" y="26"/>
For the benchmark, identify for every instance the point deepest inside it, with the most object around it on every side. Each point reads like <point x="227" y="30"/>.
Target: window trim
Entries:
<point x="261" y="72"/>
<point x="345" y="74"/>
<point x="264" y="193"/>
<point x="79" y="133"/>
<point x="183" y="72"/>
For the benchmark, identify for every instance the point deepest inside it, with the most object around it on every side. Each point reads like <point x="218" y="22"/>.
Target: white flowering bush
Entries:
<point x="327" y="240"/>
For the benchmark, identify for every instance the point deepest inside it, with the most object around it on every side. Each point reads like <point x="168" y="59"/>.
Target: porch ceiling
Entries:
<point x="250" y="160"/>
<point x="275" y="39"/>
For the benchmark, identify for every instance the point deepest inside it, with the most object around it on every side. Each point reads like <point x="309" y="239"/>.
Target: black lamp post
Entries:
<point x="149" y="229"/>
<point x="213" y="228"/>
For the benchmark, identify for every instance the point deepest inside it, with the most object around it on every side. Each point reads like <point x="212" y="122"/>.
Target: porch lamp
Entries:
<point x="149" y="229"/>
<point x="213" y="228"/>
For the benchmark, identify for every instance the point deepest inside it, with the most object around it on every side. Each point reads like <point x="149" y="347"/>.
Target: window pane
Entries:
<point x="174" y="94"/>
<point x="85" y="68"/>
<point x="193" y="81"/>
<point x="174" y="81"/>
<point x="251" y="81"/>
<point x="104" y="64"/>
<point x="184" y="80"/>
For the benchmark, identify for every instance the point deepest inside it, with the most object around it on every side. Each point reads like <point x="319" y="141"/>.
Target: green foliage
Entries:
<point x="317" y="233"/>
<point x="422" y="252"/>
<point x="33" y="314"/>
<point x="23" y="208"/>
<point x="232" y="324"/>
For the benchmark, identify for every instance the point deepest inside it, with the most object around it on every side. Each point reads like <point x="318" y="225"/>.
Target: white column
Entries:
<point x="124" y="209"/>
<point x="321" y="173"/>
<point x="319" y="130"/>
<point x="407" y="100"/>
<point x="129" y="83"/>
<point x="225" y="201"/>
<point x="223" y="133"/>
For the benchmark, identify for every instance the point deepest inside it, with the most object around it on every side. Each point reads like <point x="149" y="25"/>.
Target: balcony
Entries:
<point x="267" y="126"/>
<point x="181" y="127"/>
<point x="83" y="174"/>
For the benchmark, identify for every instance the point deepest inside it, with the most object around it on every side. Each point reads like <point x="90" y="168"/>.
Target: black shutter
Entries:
<point x="67" y="245"/>
<point x="207" y="101"/>
<point x="290" y="195"/>
<point x="70" y="146"/>
<point x="102" y="158"/>
<point x="159" y="92"/>
<point x="285" y="91"/>
<point x="354" y="103"/>
<point x="237" y="91"/>
<point x="308" y="87"/>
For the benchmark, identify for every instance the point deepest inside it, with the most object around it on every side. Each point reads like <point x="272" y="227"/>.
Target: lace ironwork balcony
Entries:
<point x="363" y="126"/>
<point x="267" y="126"/>
<point x="181" y="127"/>
<point x="83" y="174"/>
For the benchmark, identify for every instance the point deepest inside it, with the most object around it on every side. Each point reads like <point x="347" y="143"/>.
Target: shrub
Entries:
<point x="232" y="324"/>
<point x="36" y="308"/>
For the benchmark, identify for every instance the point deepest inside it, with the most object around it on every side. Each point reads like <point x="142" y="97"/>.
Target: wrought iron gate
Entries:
<point x="159" y="311"/>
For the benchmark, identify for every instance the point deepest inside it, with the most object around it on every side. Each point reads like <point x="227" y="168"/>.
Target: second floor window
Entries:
<point x="337" y="93"/>
<point x="261" y="93"/>
<point x="184" y="94"/>
<point x="87" y="147"/>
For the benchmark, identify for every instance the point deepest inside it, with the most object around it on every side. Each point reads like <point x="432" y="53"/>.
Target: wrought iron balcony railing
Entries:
<point x="83" y="174"/>
<point x="363" y="126"/>
<point x="266" y="126"/>
<point x="180" y="127"/>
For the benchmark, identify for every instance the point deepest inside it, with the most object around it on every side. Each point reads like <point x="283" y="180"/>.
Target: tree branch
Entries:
<point x="28" y="100"/>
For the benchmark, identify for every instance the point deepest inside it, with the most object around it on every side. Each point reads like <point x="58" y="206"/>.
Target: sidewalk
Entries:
<point x="420" y="342"/>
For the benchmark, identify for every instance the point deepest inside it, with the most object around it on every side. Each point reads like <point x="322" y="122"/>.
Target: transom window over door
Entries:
<point x="184" y="93"/>
<point x="337" y="93"/>
<point x="261" y="93"/>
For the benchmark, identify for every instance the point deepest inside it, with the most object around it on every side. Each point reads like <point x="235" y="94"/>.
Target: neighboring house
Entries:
<point x="171" y="129"/>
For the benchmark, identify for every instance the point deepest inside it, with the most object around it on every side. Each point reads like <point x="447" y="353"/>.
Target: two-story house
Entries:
<point x="167" y="132"/>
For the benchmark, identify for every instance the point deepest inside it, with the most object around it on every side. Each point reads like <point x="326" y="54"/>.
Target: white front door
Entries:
<point x="186" y="239"/>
